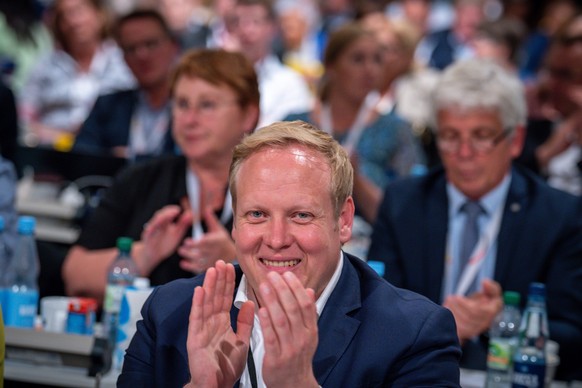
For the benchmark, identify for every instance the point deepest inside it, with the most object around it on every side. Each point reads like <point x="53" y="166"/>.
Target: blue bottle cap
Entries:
<point x="1" y="224"/>
<point x="538" y="289"/>
<point x="377" y="266"/>
<point x="26" y="224"/>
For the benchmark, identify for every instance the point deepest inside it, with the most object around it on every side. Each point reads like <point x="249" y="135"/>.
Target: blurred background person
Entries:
<point x="297" y="44"/>
<point x="426" y="15"/>
<point x="501" y="41"/>
<point x="441" y="48"/>
<point x="178" y="208"/>
<point x="63" y="86"/>
<point x="554" y="136"/>
<point x="283" y="90"/>
<point x="382" y="145"/>
<point x="23" y="39"/>
<point x="189" y="21"/>
<point x="553" y="15"/>
<point x="465" y="232"/>
<point x="405" y="85"/>
<point x="135" y="123"/>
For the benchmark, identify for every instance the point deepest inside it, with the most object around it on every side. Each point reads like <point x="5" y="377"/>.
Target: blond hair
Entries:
<point x="289" y="133"/>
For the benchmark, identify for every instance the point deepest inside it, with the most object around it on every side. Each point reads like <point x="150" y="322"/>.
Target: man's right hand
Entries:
<point x="216" y="354"/>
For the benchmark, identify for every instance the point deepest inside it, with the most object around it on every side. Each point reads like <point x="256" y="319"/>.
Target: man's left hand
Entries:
<point x="289" y="323"/>
<point x="475" y="313"/>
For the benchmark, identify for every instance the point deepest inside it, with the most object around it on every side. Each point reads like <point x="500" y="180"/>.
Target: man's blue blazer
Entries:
<point x="371" y="334"/>
<point x="109" y="122"/>
<point x="540" y="240"/>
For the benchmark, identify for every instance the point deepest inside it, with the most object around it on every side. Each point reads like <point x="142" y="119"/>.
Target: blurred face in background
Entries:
<point x="416" y="12"/>
<point x="78" y="22"/>
<point x="468" y="16"/>
<point x="293" y="28"/>
<point x="148" y="51"/>
<point x="396" y="60"/>
<point x="475" y="171"/>
<point x="177" y="12"/>
<point x="563" y="74"/>
<point x="208" y="119"/>
<point x="357" y="70"/>
<point x="254" y="31"/>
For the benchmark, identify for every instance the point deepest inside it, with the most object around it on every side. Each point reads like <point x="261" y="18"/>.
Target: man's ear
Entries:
<point x="346" y="220"/>
<point x="517" y="141"/>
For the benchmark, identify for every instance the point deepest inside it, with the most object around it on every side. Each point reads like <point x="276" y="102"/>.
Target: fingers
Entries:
<point x="491" y="288"/>
<point x="162" y="217"/>
<point x="245" y="321"/>
<point x="196" y="311"/>
<point x="212" y="222"/>
<point x="200" y="254"/>
<point x="288" y="315"/>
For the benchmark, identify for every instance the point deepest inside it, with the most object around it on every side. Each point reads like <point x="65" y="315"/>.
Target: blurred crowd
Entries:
<point x="99" y="77"/>
<point x="59" y="57"/>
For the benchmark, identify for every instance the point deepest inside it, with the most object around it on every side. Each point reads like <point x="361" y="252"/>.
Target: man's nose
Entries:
<point x="278" y="235"/>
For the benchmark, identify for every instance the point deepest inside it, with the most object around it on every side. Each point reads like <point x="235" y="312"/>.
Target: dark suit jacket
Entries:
<point x="8" y="123"/>
<point x="108" y="124"/>
<point x="371" y="334"/>
<point x="540" y="239"/>
<point x="444" y="48"/>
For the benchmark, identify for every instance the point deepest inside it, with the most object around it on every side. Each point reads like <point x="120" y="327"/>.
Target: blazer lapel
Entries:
<point x="436" y="229"/>
<point x="336" y="327"/>
<point x="509" y="235"/>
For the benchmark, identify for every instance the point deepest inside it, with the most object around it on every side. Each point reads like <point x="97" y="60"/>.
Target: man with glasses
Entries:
<point x="135" y="123"/>
<point x="463" y="234"/>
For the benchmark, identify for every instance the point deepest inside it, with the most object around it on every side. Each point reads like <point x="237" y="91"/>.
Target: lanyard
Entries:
<point x="251" y="368"/>
<point x="194" y="195"/>
<point x="357" y="128"/>
<point x="486" y="239"/>
<point x="147" y="139"/>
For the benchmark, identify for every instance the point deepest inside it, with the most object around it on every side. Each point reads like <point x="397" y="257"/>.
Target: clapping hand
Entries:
<point x="289" y="322"/>
<point x="216" y="244"/>
<point x="216" y="354"/>
<point x="475" y="313"/>
<point x="162" y="235"/>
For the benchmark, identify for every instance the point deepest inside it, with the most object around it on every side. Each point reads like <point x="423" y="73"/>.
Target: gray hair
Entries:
<point x="481" y="84"/>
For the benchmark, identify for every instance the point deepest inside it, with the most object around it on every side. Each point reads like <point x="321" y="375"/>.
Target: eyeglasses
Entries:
<point x="149" y="45"/>
<point x="204" y="107"/>
<point x="450" y="142"/>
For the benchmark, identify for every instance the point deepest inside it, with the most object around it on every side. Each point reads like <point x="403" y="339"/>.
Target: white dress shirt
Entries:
<point x="257" y="342"/>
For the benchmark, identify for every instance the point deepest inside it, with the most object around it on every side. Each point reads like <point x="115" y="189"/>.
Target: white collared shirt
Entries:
<point x="257" y="342"/>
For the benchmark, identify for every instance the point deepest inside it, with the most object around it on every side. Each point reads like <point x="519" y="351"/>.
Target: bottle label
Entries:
<point x="21" y="308"/>
<point x="527" y="375"/>
<point x="500" y="354"/>
<point x="113" y="295"/>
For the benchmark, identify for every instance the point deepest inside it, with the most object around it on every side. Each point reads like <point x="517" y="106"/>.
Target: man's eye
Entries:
<point x="255" y="214"/>
<point x="448" y="136"/>
<point x="482" y="135"/>
<point x="302" y="216"/>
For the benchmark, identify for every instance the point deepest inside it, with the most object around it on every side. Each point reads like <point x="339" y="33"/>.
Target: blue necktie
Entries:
<point x="469" y="237"/>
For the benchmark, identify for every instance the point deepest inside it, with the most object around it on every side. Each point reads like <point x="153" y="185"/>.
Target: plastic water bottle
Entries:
<point x="503" y="339"/>
<point x="529" y="368"/>
<point x="21" y="277"/>
<point x="121" y="275"/>
<point x="133" y="299"/>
